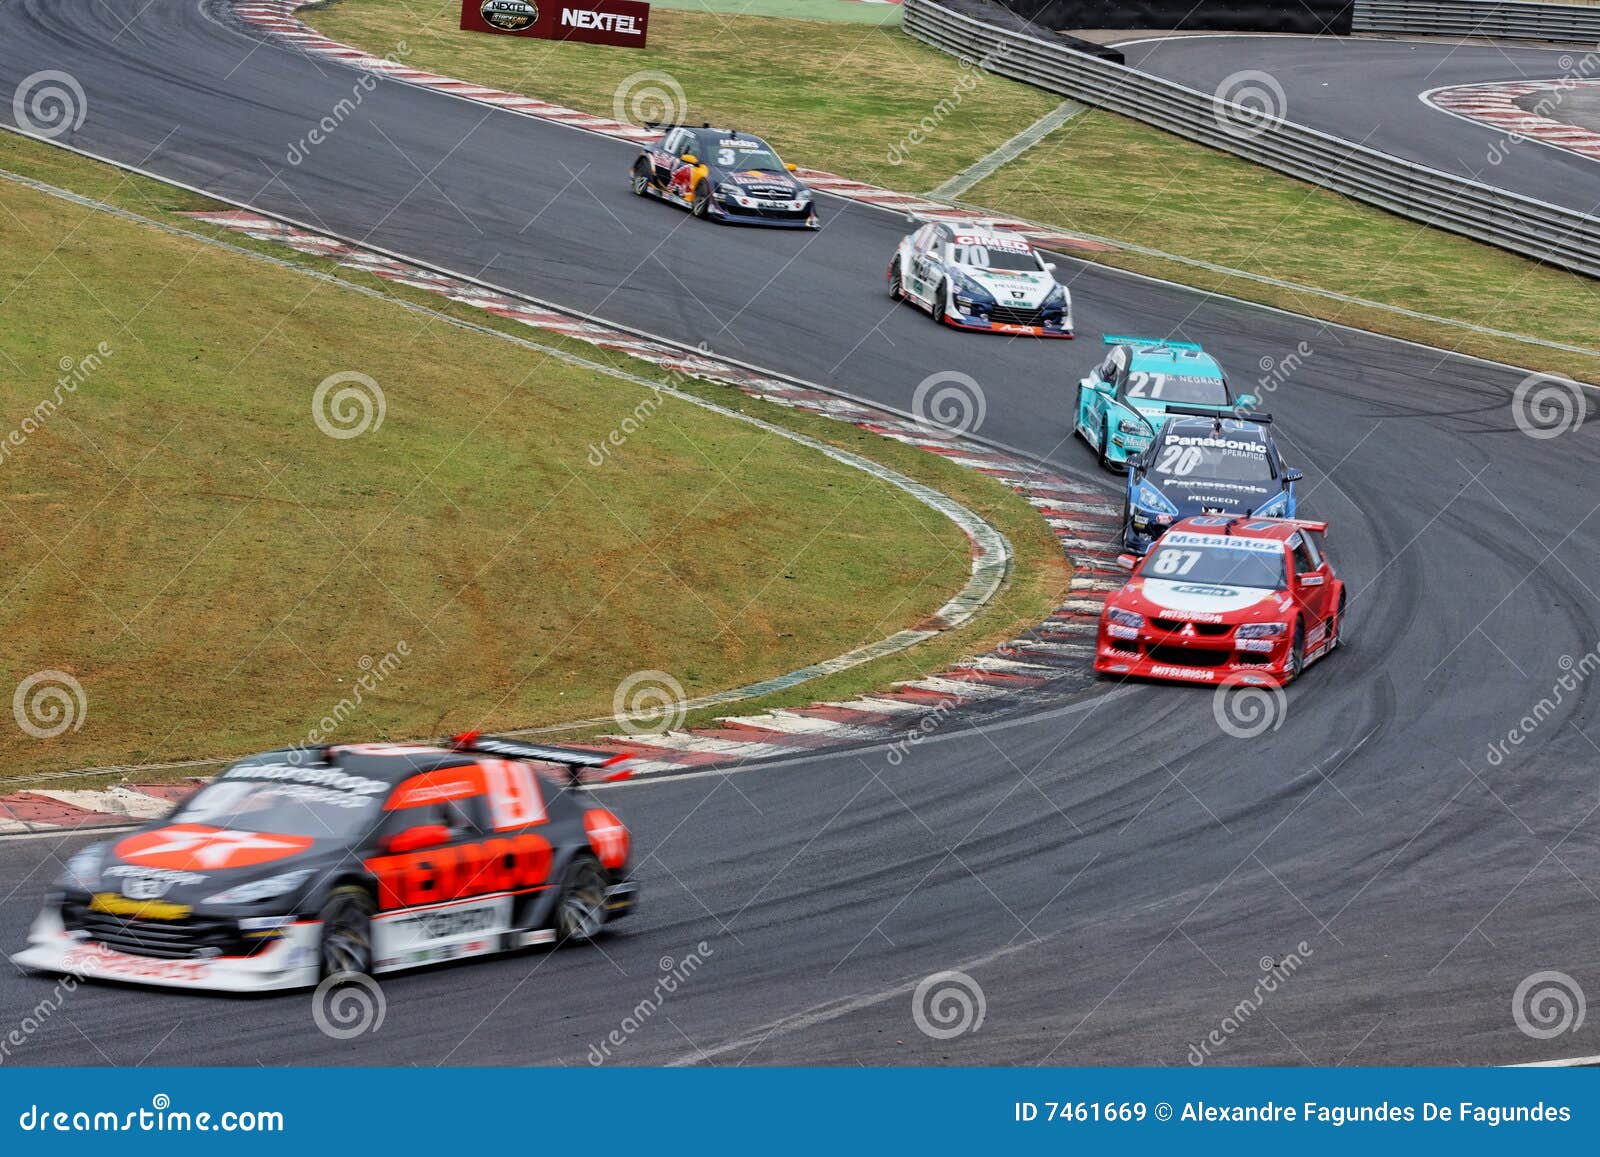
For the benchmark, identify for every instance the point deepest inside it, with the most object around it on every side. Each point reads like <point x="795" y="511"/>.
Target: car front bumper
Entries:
<point x="1158" y="654"/>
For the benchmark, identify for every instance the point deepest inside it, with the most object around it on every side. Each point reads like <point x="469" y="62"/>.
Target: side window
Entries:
<point x="681" y="143"/>
<point x="1305" y="559"/>
<point x="464" y="818"/>
<point x="452" y="796"/>
<point x="922" y="238"/>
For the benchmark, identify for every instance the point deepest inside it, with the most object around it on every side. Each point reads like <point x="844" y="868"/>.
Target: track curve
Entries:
<point x="1112" y="871"/>
<point x="1369" y="90"/>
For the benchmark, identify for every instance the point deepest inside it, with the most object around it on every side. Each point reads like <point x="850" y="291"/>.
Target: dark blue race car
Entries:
<point x="724" y="175"/>
<point x="1201" y="463"/>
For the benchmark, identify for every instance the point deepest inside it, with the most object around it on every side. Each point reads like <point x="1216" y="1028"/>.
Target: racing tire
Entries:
<point x="1105" y="445"/>
<point x="581" y="904"/>
<point x="1336" y="627"/>
<point x="897" y="290"/>
<point x="642" y="176"/>
<point x="1127" y="523"/>
<point x="701" y="206"/>
<point x="346" y="945"/>
<point x="941" y="303"/>
<point x="1297" y="652"/>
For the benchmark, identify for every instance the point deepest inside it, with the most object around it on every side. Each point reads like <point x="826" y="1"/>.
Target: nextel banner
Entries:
<point x="620" y="22"/>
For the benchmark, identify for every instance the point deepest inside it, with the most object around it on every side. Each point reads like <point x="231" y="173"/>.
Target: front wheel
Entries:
<point x="1105" y="445"/>
<point x="702" y="199"/>
<point x="1336" y="627"/>
<point x="642" y="174"/>
<point x="581" y="906"/>
<point x="1297" y="652"/>
<point x="897" y="290"/>
<point x="347" y="932"/>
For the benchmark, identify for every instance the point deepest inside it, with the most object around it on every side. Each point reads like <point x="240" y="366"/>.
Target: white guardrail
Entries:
<point x="1512" y="19"/>
<point x="1521" y="224"/>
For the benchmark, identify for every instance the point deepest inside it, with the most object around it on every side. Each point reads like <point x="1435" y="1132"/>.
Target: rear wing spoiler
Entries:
<point x="575" y="760"/>
<point x="1258" y="416"/>
<point x="1114" y="339"/>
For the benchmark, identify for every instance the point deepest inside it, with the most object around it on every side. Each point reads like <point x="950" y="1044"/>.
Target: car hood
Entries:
<point x="187" y="863"/>
<point x="1198" y="495"/>
<point x="1020" y="288"/>
<point x="1201" y="602"/>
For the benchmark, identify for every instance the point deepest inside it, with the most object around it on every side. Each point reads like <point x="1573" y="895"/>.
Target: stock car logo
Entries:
<point x="503" y="864"/>
<point x="188" y="846"/>
<point x="509" y="15"/>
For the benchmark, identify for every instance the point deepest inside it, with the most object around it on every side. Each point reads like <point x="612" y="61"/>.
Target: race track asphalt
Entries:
<point x="1367" y="90"/>
<point x="1112" y="871"/>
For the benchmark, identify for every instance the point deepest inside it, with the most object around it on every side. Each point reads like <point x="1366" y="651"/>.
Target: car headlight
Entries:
<point x="1276" y="508"/>
<point x="1261" y="630"/>
<point x="1131" y="426"/>
<point x="1147" y="497"/>
<point x="1124" y="618"/>
<point x="1056" y="299"/>
<point x="969" y="289"/>
<point x="83" y="868"/>
<point x="279" y="885"/>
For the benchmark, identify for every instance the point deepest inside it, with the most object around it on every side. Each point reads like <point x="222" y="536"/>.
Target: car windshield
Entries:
<point x="728" y="153"/>
<point x="1222" y="459"/>
<point x="331" y="809"/>
<point x="985" y="257"/>
<point x="1190" y="391"/>
<point x="1217" y="565"/>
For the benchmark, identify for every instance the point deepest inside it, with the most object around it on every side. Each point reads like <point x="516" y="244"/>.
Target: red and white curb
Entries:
<point x="1084" y="521"/>
<point x="1495" y="106"/>
<point x="277" y="17"/>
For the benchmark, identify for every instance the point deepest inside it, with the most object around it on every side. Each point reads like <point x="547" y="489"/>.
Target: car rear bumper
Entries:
<point x="288" y="962"/>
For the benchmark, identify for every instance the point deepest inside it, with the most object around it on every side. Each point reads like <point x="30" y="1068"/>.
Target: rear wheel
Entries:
<point x="642" y="173"/>
<point x="702" y="199"/>
<point x="581" y="906"/>
<point x="347" y="931"/>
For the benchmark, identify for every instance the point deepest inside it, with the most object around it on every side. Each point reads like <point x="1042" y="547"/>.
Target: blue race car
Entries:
<point x="1123" y="400"/>
<point x="1202" y="463"/>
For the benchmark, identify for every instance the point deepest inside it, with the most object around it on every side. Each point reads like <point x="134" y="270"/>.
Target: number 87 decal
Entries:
<point x="1175" y="562"/>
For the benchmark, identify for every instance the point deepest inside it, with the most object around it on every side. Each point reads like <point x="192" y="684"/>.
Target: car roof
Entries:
<point x="975" y="226"/>
<point x="388" y="762"/>
<point x="1165" y="359"/>
<point x="715" y="134"/>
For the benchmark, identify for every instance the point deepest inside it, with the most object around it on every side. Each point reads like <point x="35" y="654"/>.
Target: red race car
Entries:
<point x="1225" y="600"/>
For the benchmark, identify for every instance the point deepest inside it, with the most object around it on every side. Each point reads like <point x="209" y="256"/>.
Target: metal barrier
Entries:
<point x="1511" y="19"/>
<point x="1521" y="224"/>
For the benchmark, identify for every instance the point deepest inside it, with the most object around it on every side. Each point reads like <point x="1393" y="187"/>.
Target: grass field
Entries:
<point x="216" y="572"/>
<point x="843" y="98"/>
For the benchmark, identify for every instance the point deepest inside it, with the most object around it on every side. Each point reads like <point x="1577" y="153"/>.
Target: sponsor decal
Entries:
<point x="1222" y="542"/>
<point x="509" y="15"/>
<point x="623" y="23"/>
<point x="1183" y="672"/>
<point x="502" y="864"/>
<point x="119" y="905"/>
<point x="189" y="846"/>
<point x="324" y="777"/>
<point x="1234" y="445"/>
<point x="1203" y="589"/>
<point x="994" y="241"/>
<point x="448" y="923"/>
<point x="97" y="959"/>
<point x="165" y="875"/>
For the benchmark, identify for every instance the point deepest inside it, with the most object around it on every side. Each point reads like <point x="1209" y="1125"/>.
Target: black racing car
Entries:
<point x="1202" y="463"/>
<point x="724" y="175"/>
<point x="312" y="862"/>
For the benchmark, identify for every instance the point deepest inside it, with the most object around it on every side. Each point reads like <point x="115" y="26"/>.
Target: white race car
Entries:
<point x="974" y="275"/>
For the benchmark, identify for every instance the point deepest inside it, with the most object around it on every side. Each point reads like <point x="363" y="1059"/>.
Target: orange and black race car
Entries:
<point x="312" y="862"/>
<point x="724" y="175"/>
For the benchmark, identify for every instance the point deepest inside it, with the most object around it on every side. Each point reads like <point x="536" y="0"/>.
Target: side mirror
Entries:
<point x="1050" y="265"/>
<point x="1293" y="475"/>
<point x="1245" y="401"/>
<point x="417" y="838"/>
<point x="690" y="159"/>
<point x="1136" y="462"/>
<point x="1127" y="561"/>
<point x="792" y="168"/>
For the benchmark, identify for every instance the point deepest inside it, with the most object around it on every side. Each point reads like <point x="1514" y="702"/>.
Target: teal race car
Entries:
<point x="1123" y="401"/>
